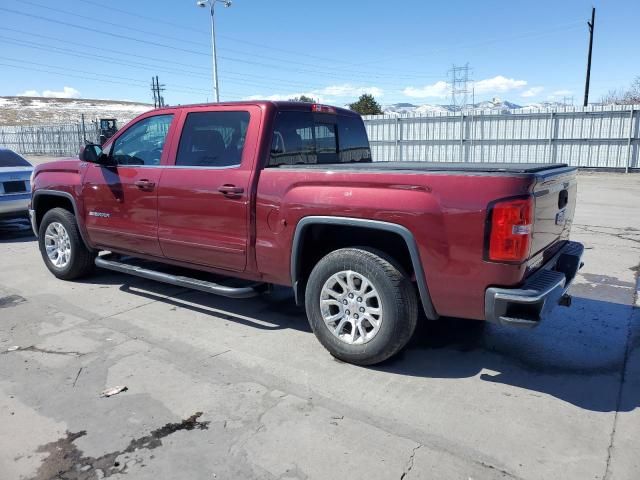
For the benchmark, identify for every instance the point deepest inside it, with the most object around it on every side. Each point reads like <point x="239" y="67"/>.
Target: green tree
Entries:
<point x="366" y="105"/>
<point x="303" y="98"/>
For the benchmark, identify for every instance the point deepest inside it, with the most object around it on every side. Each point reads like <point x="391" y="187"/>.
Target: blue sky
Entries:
<point x="522" y="51"/>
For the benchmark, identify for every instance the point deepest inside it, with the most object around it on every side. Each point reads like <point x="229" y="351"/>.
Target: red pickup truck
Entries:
<point x="242" y="196"/>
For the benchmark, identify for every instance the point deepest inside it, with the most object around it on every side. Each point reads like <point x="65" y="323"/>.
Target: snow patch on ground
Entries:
<point x="45" y="111"/>
<point x="496" y="105"/>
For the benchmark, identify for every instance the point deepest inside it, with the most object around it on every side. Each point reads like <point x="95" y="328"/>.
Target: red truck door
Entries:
<point x="204" y="197"/>
<point x="121" y="201"/>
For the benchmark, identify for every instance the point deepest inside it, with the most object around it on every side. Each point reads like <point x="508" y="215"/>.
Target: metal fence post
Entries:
<point x="462" y="155"/>
<point x="397" y="152"/>
<point x="552" y="134"/>
<point x="630" y="140"/>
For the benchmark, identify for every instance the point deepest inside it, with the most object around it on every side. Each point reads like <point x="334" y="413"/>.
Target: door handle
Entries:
<point x="144" y="184"/>
<point x="230" y="190"/>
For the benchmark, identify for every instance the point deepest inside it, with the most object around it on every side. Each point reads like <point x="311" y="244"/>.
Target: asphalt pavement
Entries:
<point x="240" y="389"/>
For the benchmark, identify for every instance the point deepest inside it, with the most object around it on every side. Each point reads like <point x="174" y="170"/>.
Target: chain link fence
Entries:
<point x="64" y="139"/>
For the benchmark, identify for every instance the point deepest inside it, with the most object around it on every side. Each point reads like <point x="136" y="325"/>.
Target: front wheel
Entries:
<point x="62" y="249"/>
<point x="361" y="306"/>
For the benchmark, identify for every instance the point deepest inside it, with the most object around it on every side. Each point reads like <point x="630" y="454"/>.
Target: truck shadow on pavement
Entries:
<point x="275" y="311"/>
<point x="577" y="355"/>
<point x="16" y="231"/>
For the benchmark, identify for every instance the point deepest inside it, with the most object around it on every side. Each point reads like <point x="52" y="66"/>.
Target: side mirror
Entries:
<point x="92" y="153"/>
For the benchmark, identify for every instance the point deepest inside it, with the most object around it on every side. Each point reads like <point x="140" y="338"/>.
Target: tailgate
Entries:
<point x="555" y="203"/>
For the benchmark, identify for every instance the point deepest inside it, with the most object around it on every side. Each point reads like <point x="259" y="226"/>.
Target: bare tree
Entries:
<point x="630" y="96"/>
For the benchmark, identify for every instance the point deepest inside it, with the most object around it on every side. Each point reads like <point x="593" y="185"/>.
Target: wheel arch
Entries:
<point x="45" y="200"/>
<point x="405" y="236"/>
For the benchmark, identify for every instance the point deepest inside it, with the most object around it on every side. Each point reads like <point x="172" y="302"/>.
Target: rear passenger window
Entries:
<point x="301" y="138"/>
<point x="212" y="139"/>
<point x="293" y="142"/>
<point x="354" y="143"/>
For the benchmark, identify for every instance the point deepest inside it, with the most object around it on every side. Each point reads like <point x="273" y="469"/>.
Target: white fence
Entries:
<point x="585" y="137"/>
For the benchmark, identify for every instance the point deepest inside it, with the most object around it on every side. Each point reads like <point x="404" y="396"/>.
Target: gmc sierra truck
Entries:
<point x="232" y="198"/>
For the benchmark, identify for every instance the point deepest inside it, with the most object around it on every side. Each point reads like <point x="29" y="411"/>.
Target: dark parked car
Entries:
<point x="15" y="185"/>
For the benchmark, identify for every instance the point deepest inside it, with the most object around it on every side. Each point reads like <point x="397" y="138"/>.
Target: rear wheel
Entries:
<point x="361" y="306"/>
<point x="62" y="249"/>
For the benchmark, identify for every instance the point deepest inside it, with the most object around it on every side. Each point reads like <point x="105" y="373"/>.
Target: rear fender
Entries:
<point x="403" y="232"/>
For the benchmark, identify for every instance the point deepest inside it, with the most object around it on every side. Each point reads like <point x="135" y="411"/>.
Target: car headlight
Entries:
<point x="33" y="174"/>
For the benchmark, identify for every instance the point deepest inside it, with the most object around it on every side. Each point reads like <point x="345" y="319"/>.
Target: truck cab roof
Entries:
<point x="268" y="104"/>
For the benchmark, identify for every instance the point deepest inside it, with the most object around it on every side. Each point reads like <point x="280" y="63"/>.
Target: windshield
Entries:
<point x="9" y="158"/>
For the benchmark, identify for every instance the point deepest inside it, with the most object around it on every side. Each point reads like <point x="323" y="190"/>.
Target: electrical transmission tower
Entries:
<point x="459" y="82"/>
<point x="156" y="90"/>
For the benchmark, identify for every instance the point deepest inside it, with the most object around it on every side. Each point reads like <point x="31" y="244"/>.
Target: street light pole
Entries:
<point x="214" y="57"/>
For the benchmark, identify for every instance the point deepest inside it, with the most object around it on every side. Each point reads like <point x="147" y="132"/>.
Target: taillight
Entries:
<point x="322" y="108"/>
<point x="510" y="229"/>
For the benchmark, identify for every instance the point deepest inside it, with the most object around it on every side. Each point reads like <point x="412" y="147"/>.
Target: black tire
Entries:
<point x="395" y="290"/>
<point x="81" y="259"/>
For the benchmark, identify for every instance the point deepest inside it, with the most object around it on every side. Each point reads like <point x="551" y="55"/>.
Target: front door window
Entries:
<point x="143" y="142"/>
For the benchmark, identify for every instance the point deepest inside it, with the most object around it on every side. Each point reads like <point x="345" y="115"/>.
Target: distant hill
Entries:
<point x="495" y="105"/>
<point x="43" y="111"/>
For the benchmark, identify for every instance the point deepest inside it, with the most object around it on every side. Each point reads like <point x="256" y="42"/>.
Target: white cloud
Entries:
<point x="442" y="89"/>
<point x="29" y="93"/>
<point x="348" y="90"/>
<point x="560" y="93"/>
<point x="326" y="94"/>
<point x="532" y="92"/>
<point x="498" y="84"/>
<point x="437" y="90"/>
<point x="66" y="92"/>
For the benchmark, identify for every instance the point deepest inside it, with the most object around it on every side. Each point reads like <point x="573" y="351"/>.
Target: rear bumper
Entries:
<point x="528" y="305"/>
<point x="14" y="205"/>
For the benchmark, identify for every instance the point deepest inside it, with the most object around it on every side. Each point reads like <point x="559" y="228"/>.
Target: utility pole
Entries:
<point x="160" y="89"/>
<point x="591" y="25"/>
<point x="153" y="91"/>
<point x="157" y="89"/>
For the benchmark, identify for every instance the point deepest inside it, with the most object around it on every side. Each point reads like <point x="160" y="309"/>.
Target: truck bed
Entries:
<point x="472" y="167"/>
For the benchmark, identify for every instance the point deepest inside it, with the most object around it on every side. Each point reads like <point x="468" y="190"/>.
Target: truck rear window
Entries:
<point x="303" y="138"/>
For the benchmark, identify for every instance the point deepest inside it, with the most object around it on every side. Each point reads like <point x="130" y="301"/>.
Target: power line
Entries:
<point x="190" y="29"/>
<point x="98" y="80"/>
<point x="236" y="78"/>
<point x="116" y="60"/>
<point x="126" y="37"/>
<point x="146" y="57"/>
<point x="101" y="76"/>
<point x="531" y="34"/>
<point x="195" y="52"/>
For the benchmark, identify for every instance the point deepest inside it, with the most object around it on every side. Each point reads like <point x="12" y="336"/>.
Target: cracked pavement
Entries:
<point x="235" y="389"/>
